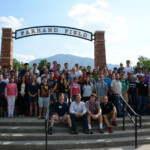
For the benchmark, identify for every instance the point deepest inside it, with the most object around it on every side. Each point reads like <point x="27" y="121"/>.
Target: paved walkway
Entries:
<point x="140" y="147"/>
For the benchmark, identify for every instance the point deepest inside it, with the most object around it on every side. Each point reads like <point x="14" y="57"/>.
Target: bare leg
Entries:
<point x="35" y="108"/>
<point x="40" y="111"/>
<point x="44" y="110"/>
<point x="69" y="120"/>
<point x="106" y="121"/>
<point x="89" y="119"/>
<point x="31" y="108"/>
<point x="52" y="120"/>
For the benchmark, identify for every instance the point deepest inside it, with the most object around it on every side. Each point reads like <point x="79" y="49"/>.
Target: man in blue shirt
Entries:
<point x="101" y="88"/>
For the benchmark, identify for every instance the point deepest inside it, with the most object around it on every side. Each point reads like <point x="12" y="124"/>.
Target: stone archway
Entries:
<point x="7" y="45"/>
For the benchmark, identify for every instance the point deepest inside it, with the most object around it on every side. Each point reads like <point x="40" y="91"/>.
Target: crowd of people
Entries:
<point x="77" y="94"/>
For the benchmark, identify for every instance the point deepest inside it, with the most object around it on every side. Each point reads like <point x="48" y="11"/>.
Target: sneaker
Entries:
<point x="75" y="132"/>
<point x="110" y="130"/>
<point x="90" y="131"/>
<point x="50" y="130"/>
<point x="39" y="117"/>
<point x="101" y="131"/>
<point x="114" y="123"/>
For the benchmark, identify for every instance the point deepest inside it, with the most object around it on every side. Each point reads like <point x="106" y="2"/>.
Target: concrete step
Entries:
<point x="72" y="144"/>
<point x="60" y="129"/>
<point x="32" y="121"/>
<point x="67" y="136"/>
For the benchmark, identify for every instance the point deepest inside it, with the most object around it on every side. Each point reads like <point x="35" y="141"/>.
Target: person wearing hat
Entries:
<point x="94" y="112"/>
<point x="128" y="68"/>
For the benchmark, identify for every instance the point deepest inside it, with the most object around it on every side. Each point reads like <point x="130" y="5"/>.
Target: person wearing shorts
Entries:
<point x="61" y="114"/>
<point x="108" y="112"/>
<point x="94" y="112"/>
<point x="44" y="97"/>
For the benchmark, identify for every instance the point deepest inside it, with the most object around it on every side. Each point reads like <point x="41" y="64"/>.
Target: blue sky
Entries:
<point x="126" y="24"/>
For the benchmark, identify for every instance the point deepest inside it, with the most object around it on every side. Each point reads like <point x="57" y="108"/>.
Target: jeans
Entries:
<point x="74" y="119"/>
<point x="73" y="98"/>
<point x="142" y="105"/>
<point x="118" y="104"/>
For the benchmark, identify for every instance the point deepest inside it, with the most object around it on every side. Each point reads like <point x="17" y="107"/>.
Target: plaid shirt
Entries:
<point x="101" y="88"/>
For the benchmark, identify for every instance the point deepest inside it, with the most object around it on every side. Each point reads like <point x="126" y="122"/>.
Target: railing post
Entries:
<point x="135" y="131"/>
<point x="123" y="116"/>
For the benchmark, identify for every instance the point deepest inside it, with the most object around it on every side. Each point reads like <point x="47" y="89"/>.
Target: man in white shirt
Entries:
<point x="78" y="112"/>
<point x="128" y="68"/>
<point x="78" y="71"/>
<point x="73" y="75"/>
<point x="116" y="87"/>
<point x="34" y="70"/>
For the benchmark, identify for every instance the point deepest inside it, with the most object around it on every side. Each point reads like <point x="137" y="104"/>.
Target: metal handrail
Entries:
<point x="134" y="120"/>
<point x="47" y="124"/>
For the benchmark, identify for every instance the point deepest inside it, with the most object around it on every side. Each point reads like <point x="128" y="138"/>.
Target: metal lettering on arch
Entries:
<point x="56" y="30"/>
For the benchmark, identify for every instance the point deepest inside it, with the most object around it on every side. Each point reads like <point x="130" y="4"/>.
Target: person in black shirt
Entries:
<point x="2" y="97"/>
<point x="132" y="92"/>
<point x="142" y="94"/>
<point x="61" y="114"/>
<point x="108" y="112"/>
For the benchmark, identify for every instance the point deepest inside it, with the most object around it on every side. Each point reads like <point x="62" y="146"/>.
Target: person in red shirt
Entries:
<point x="84" y="75"/>
<point x="56" y="76"/>
<point x="75" y="89"/>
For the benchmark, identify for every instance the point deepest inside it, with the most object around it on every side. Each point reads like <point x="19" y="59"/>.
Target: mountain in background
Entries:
<point x="71" y="60"/>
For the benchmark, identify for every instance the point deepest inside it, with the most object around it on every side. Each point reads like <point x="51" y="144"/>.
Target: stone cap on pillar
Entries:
<point x="7" y="33"/>
<point x="99" y="36"/>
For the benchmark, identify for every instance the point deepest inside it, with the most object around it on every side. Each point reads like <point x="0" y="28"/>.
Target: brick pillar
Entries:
<point x="99" y="50"/>
<point x="7" y="47"/>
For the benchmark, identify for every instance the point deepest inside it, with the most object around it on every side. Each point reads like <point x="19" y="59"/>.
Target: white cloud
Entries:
<point x="24" y="58"/>
<point x="102" y="3"/>
<point x="10" y="22"/>
<point x="123" y="54"/>
<point x="98" y="16"/>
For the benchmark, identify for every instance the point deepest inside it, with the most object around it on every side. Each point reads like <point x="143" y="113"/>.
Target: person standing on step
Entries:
<point x="44" y="97"/>
<point x="22" y="89"/>
<point x="75" y="89"/>
<point x="101" y="88"/>
<point x="116" y="87"/>
<point x="60" y="114"/>
<point x="2" y="93"/>
<point x="94" y="112"/>
<point x="78" y="113"/>
<point x="87" y="89"/>
<point x="108" y="112"/>
<point x="11" y="94"/>
<point x="33" y="90"/>
<point x="142" y="95"/>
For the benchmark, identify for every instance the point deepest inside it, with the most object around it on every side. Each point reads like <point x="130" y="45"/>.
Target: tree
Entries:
<point x="43" y="62"/>
<point x="20" y="65"/>
<point x="145" y="62"/>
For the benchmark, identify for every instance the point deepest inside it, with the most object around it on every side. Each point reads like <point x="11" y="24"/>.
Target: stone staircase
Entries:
<point x="29" y="134"/>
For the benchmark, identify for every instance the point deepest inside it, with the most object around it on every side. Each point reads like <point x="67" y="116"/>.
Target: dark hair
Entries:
<point x="26" y="64"/>
<point x="61" y="94"/>
<point x="93" y="95"/>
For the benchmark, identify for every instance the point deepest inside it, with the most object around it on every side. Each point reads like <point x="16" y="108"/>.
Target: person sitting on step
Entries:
<point x="108" y="112"/>
<point x="94" y="112"/>
<point x="78" y="113"/>
<point x="61" y="114"/>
